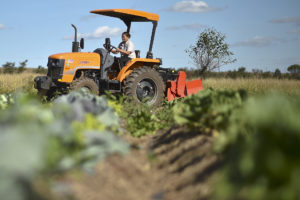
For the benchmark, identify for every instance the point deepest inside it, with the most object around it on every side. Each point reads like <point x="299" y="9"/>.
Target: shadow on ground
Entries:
<point x="177" y="164"/>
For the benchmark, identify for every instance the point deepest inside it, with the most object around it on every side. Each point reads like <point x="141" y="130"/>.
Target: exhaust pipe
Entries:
<point x="75" y="44"/>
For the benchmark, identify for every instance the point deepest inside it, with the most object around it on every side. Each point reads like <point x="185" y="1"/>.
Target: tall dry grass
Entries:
<point x="14" y="82"/>
<point x="255" y="85"/>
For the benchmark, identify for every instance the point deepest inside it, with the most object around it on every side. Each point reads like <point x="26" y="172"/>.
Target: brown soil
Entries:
<point x="177" y="164"/>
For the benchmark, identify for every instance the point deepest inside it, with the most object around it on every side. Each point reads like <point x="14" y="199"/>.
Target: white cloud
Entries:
<point x="194" y="26"/>
<point x="192" y="7"/>
<point x="258" y="41"/>
<point x="287" y="20"/>
<point x="101" y="32"/>
<point x="2" y="26"/>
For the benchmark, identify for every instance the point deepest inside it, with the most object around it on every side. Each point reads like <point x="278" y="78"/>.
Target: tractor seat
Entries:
<point x="137" y="53"/>
<point x="107" y="62"/>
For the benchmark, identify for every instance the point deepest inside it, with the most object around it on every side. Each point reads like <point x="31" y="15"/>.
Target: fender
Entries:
<point x="135" y="63"/>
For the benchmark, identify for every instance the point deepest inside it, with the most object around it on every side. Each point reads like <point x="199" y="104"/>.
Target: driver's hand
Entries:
<point x="115" y="51"/>
<point x="118" y="50"/>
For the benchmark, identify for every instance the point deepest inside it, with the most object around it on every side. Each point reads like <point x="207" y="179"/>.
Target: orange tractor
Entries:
<point x="141" y="78"/>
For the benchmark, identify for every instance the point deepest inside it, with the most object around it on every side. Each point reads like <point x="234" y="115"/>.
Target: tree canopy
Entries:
<point x="294" y="69"/>
<point x="210" y="51"/>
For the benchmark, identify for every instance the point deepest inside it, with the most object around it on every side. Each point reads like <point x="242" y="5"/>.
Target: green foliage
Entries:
<point x="5" y="100"/>
<point x="208" y="110"/>
<point x="76" y="130"/>
<point x="41" y="70"/>
<point x="22" y="66"/>
<point x="277" y="73"/>
<point x="8" y="68"/>
<point x="242" y="69"/>
<point x="258" y="139"/>
<point x="210" y="51"/>
<point x="141" y="120"/>
<point x="294" y="69"/>
<point x="261" y="149"/>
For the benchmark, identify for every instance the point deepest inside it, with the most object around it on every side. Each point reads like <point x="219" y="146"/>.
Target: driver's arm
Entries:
<point x="123" y="51"/>
<point x="114" y="51"/>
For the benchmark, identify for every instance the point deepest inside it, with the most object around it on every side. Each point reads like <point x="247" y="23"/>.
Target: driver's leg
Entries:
<point x="124" y="61"/>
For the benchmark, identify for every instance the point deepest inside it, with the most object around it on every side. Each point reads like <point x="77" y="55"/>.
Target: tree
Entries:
<point x="40" y="70"/>
<point x="241" y="72"/>
<point x="22" y="66"/>
<point x="294" y="69"/>
<point x="210" y="51"/>
<point x="257" y="71"/>
<point x="277" y="73"/>
<point x="242" y="69"/>
<point x="9" y="68"/>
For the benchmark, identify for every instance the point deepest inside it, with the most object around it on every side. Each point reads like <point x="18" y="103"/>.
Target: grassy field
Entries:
<point x="255" y="86"/>
<point x="14" y="82"/>
<point x="217" y="144"/>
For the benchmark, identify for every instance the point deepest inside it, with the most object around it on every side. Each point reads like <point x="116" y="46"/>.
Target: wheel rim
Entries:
<point x="146" y="91"/>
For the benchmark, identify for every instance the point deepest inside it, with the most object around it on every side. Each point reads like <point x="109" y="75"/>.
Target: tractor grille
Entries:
<point x="55" y="68"/>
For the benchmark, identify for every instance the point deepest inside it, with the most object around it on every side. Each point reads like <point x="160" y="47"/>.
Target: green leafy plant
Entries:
<point x="5" y="100"/>
<point x="261" y="150"/>
<point x="208" y="110"/>
<point x="76" y="130"/>
<point x="143" y="120"/>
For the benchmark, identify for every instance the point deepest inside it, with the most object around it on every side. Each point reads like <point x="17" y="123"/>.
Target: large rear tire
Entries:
<point x="87" y="83"/>
<point x="145" y="85"/>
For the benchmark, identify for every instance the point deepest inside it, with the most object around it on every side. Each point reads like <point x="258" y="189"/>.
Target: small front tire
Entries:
<point x="87" y="83"/>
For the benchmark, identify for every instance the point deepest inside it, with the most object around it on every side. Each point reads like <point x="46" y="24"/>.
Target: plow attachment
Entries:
<point x="182" y="88"/>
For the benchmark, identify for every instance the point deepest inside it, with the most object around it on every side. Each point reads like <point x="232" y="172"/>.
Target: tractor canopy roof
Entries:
<point x="128" y="15"/>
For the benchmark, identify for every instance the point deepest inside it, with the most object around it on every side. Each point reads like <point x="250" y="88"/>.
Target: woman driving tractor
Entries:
<point x="126" y="49"/>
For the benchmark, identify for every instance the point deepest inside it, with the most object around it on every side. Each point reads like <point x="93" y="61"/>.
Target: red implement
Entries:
<point x="182" y="88"/>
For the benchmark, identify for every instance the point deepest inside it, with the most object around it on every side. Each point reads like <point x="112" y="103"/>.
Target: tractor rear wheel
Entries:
<point x="145" y="84"/>
<point x="86" y="83"/>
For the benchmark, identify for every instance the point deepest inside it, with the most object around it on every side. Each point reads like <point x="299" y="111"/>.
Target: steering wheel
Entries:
<point x="109" y="47"/>
<point x="112" y="47"/>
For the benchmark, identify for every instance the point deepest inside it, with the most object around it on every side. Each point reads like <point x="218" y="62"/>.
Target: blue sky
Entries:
<point x="263" y="34"/>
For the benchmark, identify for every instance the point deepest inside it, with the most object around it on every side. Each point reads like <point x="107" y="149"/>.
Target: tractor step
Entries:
<point x="114" y="81"/>
<point x="112" y="86"/>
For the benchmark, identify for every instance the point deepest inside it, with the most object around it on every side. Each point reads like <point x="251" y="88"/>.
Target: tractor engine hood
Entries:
<point x="66" y="64"/>
<point x="76" y="59"/>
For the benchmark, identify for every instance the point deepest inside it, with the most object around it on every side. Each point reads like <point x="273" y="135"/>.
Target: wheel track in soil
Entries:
<point x="177" y="164"/>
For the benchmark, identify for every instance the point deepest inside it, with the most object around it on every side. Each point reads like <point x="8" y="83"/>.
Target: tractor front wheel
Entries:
<point x="47" y="95"/>
<point x="145" y="85"/>
<point x="86" y="83"/>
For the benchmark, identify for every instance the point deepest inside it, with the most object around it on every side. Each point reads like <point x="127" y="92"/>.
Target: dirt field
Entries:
<point x="173" y="165"/>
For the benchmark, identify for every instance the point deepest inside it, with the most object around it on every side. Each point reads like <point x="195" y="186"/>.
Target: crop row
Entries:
<point x="258" y="138"/>
<point x="74" y="131"/>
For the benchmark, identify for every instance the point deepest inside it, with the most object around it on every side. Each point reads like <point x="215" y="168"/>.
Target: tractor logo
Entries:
<point x="84" y="62"/>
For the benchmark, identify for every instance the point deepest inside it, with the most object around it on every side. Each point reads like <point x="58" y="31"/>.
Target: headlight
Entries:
<point x="55" y="62"/>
